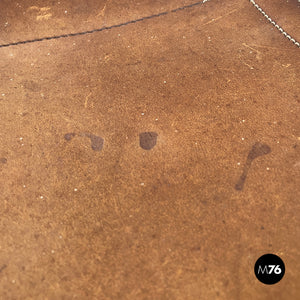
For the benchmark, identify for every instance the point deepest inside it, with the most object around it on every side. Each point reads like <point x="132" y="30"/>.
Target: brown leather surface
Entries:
<point x="122" y="151"/>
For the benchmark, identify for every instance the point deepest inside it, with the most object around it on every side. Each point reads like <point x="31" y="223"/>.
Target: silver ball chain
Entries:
<point x="274" y="24"/>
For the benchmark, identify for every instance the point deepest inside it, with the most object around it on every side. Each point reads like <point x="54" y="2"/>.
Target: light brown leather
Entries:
<point x="122" y="150"/>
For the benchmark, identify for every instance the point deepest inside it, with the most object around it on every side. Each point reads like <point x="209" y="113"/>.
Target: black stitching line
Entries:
<point x="103" y="28"/>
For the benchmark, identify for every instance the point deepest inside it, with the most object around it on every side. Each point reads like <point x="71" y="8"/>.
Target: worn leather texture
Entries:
<point x="156" y="160"/>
